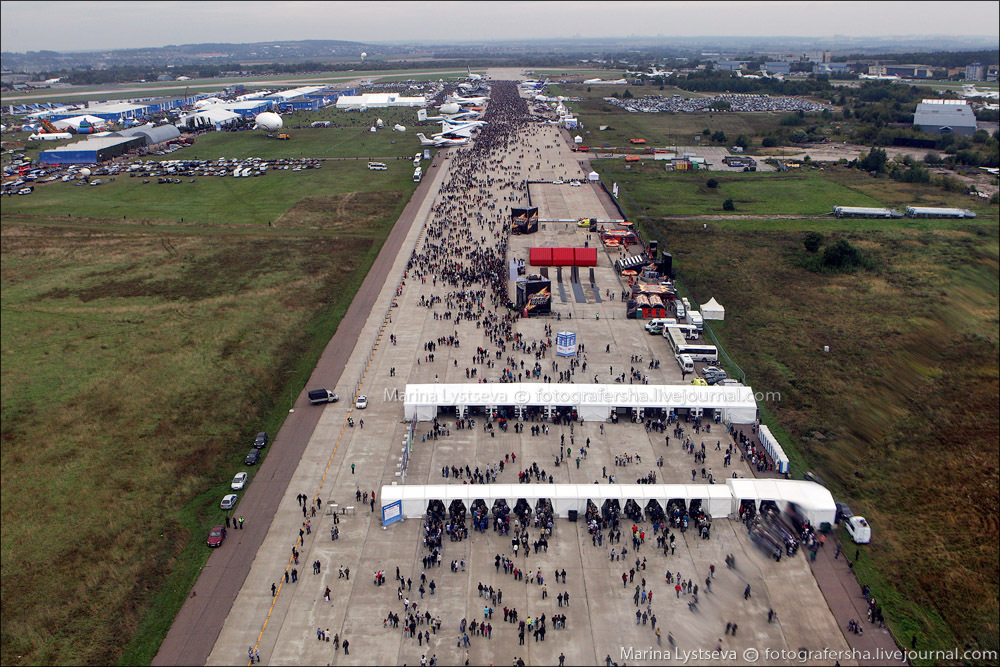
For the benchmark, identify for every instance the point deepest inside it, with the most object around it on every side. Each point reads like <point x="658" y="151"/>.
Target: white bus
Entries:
<point x="697" y="351"/>
<point x="377" y="166"/>
<point x="690" y="331"/>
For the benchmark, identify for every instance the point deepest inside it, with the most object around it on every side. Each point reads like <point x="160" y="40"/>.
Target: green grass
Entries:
<point x="900" y="411"/>
<point x="140" y="357"/>
<point x="804" y="192"/>
<point x="209" y="200"/>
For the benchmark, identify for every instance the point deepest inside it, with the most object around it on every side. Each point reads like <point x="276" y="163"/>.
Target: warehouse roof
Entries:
<point x="92" y="144"/>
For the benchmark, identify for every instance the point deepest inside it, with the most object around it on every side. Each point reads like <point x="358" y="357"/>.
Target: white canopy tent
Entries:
<point x="75" y="122"/>
<point x="813" y="500"/>
<point x="209" y="117"/>
<point x="593" y="176"/>
<point x="592" y="402"/>
<point x="713" y="310"/>
<point x="715" y="499"/>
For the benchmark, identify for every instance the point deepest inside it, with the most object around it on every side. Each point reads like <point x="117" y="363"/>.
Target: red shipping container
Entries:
<point x="540" y="256"/>
<point x="585" y="256"/>
<point x="562" y="256"/>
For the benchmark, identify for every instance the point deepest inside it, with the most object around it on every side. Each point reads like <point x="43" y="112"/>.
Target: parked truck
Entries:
<point x="317" y="396"/>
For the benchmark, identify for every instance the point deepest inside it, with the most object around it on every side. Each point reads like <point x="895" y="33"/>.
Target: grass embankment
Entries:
<point x="139" y="360"/>
<point x="655" y="193"/>
<point x="899" y="419"/>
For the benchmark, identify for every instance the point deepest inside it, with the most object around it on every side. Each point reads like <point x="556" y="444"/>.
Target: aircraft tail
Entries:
<point x="421" y="114"/>
<point x="424" y="140"/>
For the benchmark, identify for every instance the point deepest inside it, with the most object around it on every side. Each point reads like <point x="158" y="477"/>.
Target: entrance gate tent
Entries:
<point x="715" y="499"/>
<point x="592" y="402"/>
<point x="713" y="310"/>
<point x="812" y="500"/>
<point x="719" y="501"/>
<point x="593" y="176"/>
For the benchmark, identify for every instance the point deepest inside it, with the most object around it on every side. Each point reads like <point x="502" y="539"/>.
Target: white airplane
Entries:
<point x="56" y="80"/>
<point x="457" y="99"/>
<point x="440" y="141"/>
<point x="422" y="116"/>
<point x="879" y="77"/>
<point x="972" y="91"/>
<point x="462" y="123"/>
<point x="473" y="77"/>
<point x="461" y="131"/>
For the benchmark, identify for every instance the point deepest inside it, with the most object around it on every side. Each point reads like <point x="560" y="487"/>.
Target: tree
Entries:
<point x="706" y="132"/>
<point x="842" y="255"/>
<point x="627" y="95"/>
<point x="798" y="136"/>
<point x="932" y="158"/>
<point x="769" y="142"/>
<point x="728" y="205"/>
<point x="712" y="183"/>
<point x="719" y="137"/>
<point x="742" y="142"/>
<point x="812" y="241"/>
<point x="588" y="89"/>
<point x="874" y="161"/>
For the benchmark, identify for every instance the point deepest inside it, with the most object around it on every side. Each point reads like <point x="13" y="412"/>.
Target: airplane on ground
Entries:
<point x="462" y="123"/>
<point x="458" y="99"/>
<point x="972" y="91"/>
<point x="879" y="77"/>
<point x="440" y="141"/>
<point x="56" y="80"/>
<point x="473" y="77"/>
<point x="422" y="116"/>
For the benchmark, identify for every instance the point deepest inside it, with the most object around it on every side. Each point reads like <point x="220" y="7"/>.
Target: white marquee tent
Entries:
<point x="814" y="500"/>
<point x="713" y="310"/>
<point x="593" y="402"/>
<point x="718" y="500"/>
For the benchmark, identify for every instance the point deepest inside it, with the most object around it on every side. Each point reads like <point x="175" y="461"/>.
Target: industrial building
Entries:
<point x="91" y="151"/>
<point x="944" y="117"/>
<point x="116" y="112"/>
<point x="379" y="100"/>
<point x="150" y="134"/>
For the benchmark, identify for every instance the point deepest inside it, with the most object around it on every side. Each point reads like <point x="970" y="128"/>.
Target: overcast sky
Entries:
<point x="71" y="26"/>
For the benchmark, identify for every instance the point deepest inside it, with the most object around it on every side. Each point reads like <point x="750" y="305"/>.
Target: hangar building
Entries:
<point x="944" y="117"/>
<point x="91" y="151"/>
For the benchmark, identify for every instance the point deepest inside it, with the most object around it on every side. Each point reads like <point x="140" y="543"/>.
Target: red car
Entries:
<point x="216" y="536"/>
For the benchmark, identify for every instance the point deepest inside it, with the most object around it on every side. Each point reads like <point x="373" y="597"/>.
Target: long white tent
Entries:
<point x="593" y="402"/>
<point x="718" y="500"/>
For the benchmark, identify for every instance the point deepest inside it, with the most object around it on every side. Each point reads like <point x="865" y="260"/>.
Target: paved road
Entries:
<point x="197" y="625"/>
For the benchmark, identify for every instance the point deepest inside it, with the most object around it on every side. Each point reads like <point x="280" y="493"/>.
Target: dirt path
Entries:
<point x="197" y="625"/>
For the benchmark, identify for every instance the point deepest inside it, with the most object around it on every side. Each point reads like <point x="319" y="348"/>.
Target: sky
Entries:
<point x="95" y="25"/>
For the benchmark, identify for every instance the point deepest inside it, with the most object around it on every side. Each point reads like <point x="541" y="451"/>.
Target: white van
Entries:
<point x="859" y="530"/>
<point x="687" y="304"/>
<point x="697" y="320"/>
<point x="686" y="363"/>
<point x="655" y="326"/>
<point x="681" y="310"/>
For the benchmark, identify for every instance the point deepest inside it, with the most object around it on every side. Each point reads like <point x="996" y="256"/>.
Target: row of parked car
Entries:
<point x="236" y="167"/>
<point x="218" y="533"/>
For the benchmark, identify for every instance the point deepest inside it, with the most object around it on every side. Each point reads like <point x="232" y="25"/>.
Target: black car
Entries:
<point x="253" y="457"/>
<point x="843" y="512"/>
<point x="261" y="440"/>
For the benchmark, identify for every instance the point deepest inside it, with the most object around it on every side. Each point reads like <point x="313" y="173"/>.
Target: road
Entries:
<point x="197" y="625"/>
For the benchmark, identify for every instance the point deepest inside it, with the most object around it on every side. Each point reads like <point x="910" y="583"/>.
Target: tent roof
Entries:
<point x="712" y="305"/>
<point x="609" y="395"/>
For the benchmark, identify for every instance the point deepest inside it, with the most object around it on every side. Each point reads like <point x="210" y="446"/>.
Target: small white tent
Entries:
<point x="713" y="310"/>
<point x="593" y="176"/>
<point x="578" y="139"/>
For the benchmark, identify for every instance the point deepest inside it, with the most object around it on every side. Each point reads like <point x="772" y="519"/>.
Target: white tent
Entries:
<point x="209" y="117"/>
<point x="76" y="121"/>
<point x="578" y="139"/>
<point x="713" y="310"/>
<point x="593" y="176"/>
<point x="717" y="500"/>
<point x="813" y="500"/>
<point x="593" y="402"/>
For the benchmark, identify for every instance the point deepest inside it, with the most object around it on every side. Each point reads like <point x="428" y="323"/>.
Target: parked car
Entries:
<point x="239" y="481"/>
<point x="252" y="457"/>
<point x="260" y="441"/>
<point x="216" y="536"/>
<point x="229" y="501"/>
<point x="843" y="512"/>
<point x="361" y="403"/>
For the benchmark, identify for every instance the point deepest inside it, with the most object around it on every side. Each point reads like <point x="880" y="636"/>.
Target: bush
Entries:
<point x="769" y="142"/>
<point x="712" y="183"/>
<point x="728" y="205"/>
<point x="812" y="241"/>
<point x="842" y="256"/>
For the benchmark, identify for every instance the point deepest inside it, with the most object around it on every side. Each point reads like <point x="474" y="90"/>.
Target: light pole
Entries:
<point x="291" y="397"/>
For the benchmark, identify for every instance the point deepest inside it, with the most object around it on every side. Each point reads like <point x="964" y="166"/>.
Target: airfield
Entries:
<point x="338" y="460"/>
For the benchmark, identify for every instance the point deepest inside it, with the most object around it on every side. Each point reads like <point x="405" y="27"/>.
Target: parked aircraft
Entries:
<point x="466" y="100"/>
<point x="440" y="141"/>
<point x="972" y="91"/>
<point x="473" y="77"/>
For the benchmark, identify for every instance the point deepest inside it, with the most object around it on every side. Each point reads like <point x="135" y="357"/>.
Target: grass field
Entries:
<point x="655" y="193"/>
<point x="899" y="419"/>
<point x="139" y="360"/>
